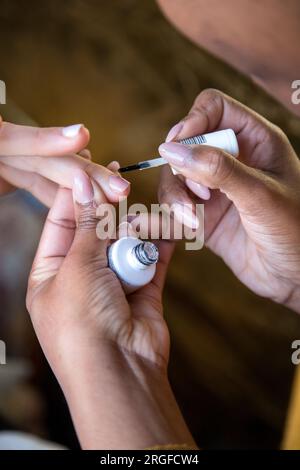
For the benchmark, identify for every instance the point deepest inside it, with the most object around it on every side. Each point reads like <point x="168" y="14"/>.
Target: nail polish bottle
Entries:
<point x="133" y="261"/>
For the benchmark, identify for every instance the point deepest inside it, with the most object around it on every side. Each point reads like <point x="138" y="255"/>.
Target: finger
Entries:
<point x="57" y="237"/>
<point x="166" y="249"/>
<point x="213" y="110"/>
<point x="41" y="188"/>
<point x="173" y="192"/>
<point x="198" y="189"/>
<point x="86" y="245"/>
<point x="218" y="170"/>
<point x="5" y="187"/>
<point x="161" y="226"/>
<point x="113" y="166"/>
<point x="85" y="153"/>
<point x="27" y="140"/>
<point x="61" y="170"/>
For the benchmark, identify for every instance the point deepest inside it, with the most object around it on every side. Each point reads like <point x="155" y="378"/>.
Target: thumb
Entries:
<point x="216" y="169"/>
<point x="86" y="246"/>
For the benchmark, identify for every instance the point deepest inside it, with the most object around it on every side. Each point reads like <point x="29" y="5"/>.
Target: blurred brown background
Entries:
<point x="124" y="72"/>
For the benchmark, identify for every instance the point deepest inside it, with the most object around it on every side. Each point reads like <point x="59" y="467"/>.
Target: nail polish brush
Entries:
<point x="225" y="140"/>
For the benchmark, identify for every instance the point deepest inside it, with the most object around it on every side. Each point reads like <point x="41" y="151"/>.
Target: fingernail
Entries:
<point x="118" y="184"/>
<point x="185" y="215"/>
<point x="82" y="188"/>
<point x="71" y="131"/>
<point x="85" y="153"/>
<point x="174" y="131"/>
<point x="175" y="153"/>
<point x="114" y="165"/>
<point x="199" y="189"/>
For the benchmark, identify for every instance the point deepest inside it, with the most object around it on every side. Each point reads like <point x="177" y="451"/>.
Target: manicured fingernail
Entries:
<point x="118" y="184"/>
<point x="114" y="165"/>
<point x="174" y="131"/>
<point x="82" y="188"/>
<point x="199" y="189"/>
<point x="175" y="153"/>
<point x="185" y="215"/>
<point x="86" y="154"/>
<point x="71" y="131"/>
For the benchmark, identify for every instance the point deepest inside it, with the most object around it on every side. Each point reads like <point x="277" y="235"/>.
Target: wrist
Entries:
<point x="120" y="401"/>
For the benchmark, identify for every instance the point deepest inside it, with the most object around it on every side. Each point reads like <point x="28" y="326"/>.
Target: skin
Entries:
<point x="74" y="299"/>
<point x="120" y="344"/>
<point x="244" y="33"/>
<point x="119" y="347"/>
<point x="252" y="220"/>
<point x="40" y="159"/>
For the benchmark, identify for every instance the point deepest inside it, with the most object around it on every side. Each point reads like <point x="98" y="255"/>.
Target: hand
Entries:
<point x="40" y="159"/>
<point x="108" y="351"/>
<point x="252" y="219"/>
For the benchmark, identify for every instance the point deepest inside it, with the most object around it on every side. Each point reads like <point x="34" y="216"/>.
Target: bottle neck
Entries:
<point x="143" y="255"/>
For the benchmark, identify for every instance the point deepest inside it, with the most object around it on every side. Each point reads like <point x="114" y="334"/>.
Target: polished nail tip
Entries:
<point x="71" y="131"/>
<point x="118" y="184"/>
<point x="200" y="190"/>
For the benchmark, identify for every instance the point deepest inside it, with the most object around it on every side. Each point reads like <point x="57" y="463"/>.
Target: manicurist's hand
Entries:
<point x="40" y="159"/>
<point x="252" y="219"/>
<point x="108" y="351"/>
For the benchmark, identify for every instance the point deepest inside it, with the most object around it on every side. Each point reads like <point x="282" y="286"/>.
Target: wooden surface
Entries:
<point x="120" y="68"/>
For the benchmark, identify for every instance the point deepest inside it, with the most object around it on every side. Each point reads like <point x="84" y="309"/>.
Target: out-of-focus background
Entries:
<point x="123" y="71"/>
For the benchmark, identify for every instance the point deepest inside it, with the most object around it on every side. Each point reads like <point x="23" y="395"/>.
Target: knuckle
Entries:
<point x="220" y="167"/>
<point x="206" y="102"/>
<point x="210" y="94"/>
<point x="279" y="134"/>
<point x="87" y="219"/>
<point x="208" y="98"/>
<point x="64" y="223"/>
<point x="275" y="138"/>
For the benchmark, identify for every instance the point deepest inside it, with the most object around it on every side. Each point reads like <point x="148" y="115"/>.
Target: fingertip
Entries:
<point x="199" y="189"/>
<point x="85" y="153"/>
<point x="83" y="192"/>
<point x="119" y="185"/>
<point x="77" y="135"/>
<point x="71" y="132"/>
<point x="113" y="166"/>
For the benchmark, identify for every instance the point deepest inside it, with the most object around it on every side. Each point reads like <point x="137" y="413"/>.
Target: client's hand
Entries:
<point x="40" y="159"/>
<point x="108" y="351"/>
<point x="252" y="219"/>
